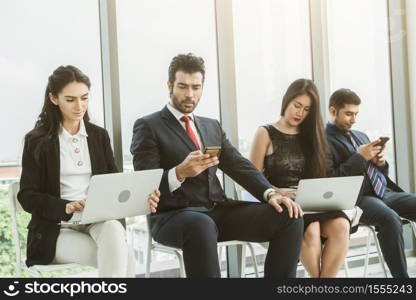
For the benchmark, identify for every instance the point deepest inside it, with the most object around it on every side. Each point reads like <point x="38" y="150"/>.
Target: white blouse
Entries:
<point x="75" y="164"/>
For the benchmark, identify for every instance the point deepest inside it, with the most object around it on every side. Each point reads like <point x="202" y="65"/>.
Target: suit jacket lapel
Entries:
<point x="342" y="138"/>
<point x="203" y="132"/>
<point x="359" y="137"/>
<point x="174" y="125"/>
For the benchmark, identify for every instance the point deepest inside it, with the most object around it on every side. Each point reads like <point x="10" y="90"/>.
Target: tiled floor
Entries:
<point x="375" y="270"/>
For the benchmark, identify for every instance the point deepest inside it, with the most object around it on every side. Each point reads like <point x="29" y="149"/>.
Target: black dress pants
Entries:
<point x="385" y="215"/>
<point x="197" y="234"/>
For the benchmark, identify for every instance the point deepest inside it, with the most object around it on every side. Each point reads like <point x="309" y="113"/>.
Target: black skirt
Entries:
<point x="310" y="218"/>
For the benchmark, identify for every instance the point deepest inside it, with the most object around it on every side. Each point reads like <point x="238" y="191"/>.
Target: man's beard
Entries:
<point x="177" y="104"/>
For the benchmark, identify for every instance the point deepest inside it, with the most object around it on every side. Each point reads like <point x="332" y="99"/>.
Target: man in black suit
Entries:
<point x="193" y="212"/>
<point x="382" y="201"/>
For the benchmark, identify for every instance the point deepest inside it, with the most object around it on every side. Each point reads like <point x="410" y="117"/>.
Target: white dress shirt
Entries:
<point x="75" y="171"/>
<point x="174" y="183"/>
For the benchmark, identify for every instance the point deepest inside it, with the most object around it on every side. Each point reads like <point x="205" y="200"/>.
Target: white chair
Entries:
<point x="412" y="225"/>
<point x="155" y="246"/>
<point x="372" y="232"/>
<point x="36" y="270"/>
<point x="372" y="235"/>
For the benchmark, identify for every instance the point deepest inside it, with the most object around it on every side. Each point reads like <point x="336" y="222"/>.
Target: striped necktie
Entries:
<point x="377" y="179"/>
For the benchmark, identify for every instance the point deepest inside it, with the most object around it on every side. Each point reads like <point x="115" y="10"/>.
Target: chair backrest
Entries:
<point x="15" y="207"/>
<point x="238" y="190"/>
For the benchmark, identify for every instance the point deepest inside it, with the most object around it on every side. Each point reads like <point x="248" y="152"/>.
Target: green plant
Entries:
<point x="7" y="250"/>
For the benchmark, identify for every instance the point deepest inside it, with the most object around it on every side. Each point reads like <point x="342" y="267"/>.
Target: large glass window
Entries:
<point x="359" y="60"/>
<point x="37" y="37"/>
<point x="150" y="34"/>
<point x="270" y="53"/>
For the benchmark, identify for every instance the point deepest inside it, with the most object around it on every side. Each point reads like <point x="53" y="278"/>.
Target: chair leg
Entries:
<point x="413" y="226"/>
<point x="367" y="253"/>
<point x="380" y="254"/>
<point x="243" y="261"/>
<point x="253" y="256"/>
<point x="381" y="258"/>
<point x="181" y="264"/>
<point x="18" y="269"/>
<point x="35" y="272"/>
<point x="346" y="268"/>
<point x="148" y="255"/>
<point x="220" y="255"/>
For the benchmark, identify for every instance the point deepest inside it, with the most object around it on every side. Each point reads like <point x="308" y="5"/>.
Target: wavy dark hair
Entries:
<point x="187" y="63"/>
<point x="49" y="120"/>
<point x="311" y="130"/>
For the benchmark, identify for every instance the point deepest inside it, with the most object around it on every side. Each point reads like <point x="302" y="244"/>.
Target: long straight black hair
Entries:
<point x="311" y="130"/>
<point x="49" y="120"/>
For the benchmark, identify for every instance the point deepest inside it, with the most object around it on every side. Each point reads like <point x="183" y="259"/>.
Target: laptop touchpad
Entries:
<point x="328" y="195"/>
<point x="124" y="196"/>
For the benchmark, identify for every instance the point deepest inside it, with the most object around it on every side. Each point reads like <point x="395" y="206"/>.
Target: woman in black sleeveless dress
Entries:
<point x="295" y="148"/>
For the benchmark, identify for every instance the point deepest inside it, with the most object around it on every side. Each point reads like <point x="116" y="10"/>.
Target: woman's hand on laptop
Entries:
<point x="74" y="206"/>
<point x="154" y="200"/>
<point x="276" y="200"/>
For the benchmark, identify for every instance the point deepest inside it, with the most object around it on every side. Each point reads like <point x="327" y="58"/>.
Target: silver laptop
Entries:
<point x="326" y="194"/>
<point x="118" y="195"/>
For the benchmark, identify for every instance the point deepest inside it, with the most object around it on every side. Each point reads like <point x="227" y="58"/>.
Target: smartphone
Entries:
<point x="383" y="139"/>
<point x="213" y="151"/>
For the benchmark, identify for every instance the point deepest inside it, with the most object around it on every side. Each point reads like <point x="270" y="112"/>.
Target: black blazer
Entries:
<point x="40" y="193"/>
<point x="159" y="141"/>
<point x="346" y="160"/>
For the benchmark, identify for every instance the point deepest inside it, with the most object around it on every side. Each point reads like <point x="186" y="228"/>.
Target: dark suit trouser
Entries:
<point x="385" y="215"/>
<point x="197" y="234"/>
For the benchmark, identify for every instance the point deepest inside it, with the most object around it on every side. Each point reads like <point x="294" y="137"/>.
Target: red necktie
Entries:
<point x="189" y="130"/>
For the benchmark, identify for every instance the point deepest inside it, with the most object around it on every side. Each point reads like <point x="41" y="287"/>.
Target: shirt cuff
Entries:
<point x="174" y="183"/>
<point x="266" y="193"/>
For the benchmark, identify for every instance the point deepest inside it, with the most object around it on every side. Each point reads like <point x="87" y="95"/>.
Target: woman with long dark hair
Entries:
<point x="293" y="148"/>
<point x="60" y="155"/>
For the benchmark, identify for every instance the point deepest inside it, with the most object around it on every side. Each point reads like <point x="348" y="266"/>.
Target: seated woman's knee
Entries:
<point x="339" y="227"/>
<point x="312" y="232"/>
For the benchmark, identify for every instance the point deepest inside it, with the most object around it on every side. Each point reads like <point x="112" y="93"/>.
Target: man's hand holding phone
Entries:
<point x="379" y="159"/>
<point x="213" y="151"/>
<point x="372" y="150"/>
<point x="194" y="164"/>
